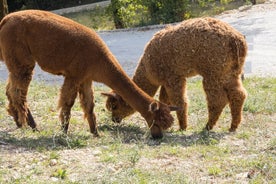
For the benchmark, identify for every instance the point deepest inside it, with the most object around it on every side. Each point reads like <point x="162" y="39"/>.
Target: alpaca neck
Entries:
<point x="140" y="78"/>
<point x="118" y="80"/>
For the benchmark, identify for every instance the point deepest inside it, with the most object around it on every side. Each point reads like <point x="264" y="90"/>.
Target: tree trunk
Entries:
<point x="116" y="16"/>
<point x="3" y="8"/>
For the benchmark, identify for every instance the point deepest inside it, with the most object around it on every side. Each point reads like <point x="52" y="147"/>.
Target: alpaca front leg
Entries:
<point x="163" y="96"/>
<point x="177" y="97"/>
<point x="67" y="98"/>
<point x="64" y="117"/>
<point x="87" y="104"/>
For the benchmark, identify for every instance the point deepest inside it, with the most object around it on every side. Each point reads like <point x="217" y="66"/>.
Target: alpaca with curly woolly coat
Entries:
<point x="201" y="46"/>
<point x="63" y="47"/>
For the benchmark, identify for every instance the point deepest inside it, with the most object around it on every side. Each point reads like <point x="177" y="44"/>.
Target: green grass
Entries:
<point x="98" y="18"/>
<point x="125" y="153"/>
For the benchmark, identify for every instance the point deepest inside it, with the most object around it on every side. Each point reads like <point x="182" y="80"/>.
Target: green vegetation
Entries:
<point x="125" y="153"/>
<point x="136" y="13"/>
<point x="133" y="13"/>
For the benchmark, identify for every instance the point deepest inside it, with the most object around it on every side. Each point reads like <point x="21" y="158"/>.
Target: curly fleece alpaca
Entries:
<point x="202" y="46"/>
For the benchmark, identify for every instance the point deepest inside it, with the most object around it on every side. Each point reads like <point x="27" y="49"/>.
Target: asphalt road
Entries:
<point x="257" y="23"/>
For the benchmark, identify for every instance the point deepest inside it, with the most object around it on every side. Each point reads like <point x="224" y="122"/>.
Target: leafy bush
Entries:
<point x="131" y="13"/>
<point x="166" y="11"/>
<point x="128" y="13"/>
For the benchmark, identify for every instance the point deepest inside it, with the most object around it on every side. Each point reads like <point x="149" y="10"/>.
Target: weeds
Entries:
<point x="60" y="173"/>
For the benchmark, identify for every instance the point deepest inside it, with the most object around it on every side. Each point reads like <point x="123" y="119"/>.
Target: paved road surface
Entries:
<point x="257" y="23"/>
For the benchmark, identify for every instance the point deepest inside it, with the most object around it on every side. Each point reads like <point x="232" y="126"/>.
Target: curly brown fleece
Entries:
<point x="202" y="46"/>
<point x="63" y="47"/>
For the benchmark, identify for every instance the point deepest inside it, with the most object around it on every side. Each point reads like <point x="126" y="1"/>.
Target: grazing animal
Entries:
<point x="63" y="47"/>
<point x="201" y="46"/>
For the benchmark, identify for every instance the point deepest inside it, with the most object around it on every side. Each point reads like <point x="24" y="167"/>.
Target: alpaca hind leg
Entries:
<point x="20" y="65"/>
<point x="11" y="109"/>
<point x="31" y="121"/>
<point x="16" y="91"/>
<point x="87" y="104"/>
<point x="177" y="96"/>
<point x="216" y="100"/>
<point x="67" y="98"/>
<point x="236" y="95"/>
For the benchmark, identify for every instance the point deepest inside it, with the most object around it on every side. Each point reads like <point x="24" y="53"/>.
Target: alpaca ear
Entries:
<point x="111" y="94"/>
<point x="108" y="94"/>
<point x="174" y="108"/>
<point x="154" y="106"/>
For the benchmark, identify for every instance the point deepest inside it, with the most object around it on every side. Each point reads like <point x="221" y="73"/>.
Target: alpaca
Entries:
<point x="61" y="46"/>
<point x="200" y="46"/>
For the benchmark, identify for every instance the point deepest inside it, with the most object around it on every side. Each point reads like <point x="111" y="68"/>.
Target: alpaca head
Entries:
<point x="118" y="107"/>
<point x="161" y="119"/>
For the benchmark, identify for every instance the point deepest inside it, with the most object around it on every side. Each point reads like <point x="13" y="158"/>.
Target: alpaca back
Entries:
<point x="197" y="46"/>
<point x="59" y="45"/>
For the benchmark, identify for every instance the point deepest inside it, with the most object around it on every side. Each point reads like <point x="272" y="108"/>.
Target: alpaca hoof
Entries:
<point x="64" y="130"/>
<point x="30" y="120"/>
<point x="156" y="132"/>
<point x="232" y="129"/>
<point x="208" y="127"/>
<point x="96" y="133"/>
<point x="182" y="129"/>
<point x="35" y="129"/>
<point x="18" y="125"/>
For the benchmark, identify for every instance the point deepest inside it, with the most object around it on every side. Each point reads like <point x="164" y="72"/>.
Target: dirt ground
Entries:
<point x="256" y="22"/>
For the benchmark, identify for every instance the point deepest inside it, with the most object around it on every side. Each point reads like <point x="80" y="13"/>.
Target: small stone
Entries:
<point x="54" y="179"/>
<point x="53" y="162"/>
<point x="96" y="152"/>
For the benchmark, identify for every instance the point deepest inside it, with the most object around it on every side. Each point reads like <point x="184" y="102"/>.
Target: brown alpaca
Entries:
<point x="202" y="46"/>
<point x="63" y="47"/>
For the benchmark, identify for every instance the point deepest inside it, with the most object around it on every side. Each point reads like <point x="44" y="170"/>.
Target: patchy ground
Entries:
<point x="125" y="153"/>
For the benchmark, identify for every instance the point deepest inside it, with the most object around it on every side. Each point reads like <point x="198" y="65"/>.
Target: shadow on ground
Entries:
<point x="126" y="134"/>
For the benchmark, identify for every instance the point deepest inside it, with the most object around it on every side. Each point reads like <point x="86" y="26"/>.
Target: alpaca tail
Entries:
<point x="239" y="50"/>
<point x="1" y="57"/>
<point x="1" y="25"/>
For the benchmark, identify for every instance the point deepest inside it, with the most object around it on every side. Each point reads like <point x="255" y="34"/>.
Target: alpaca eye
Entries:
<point x="113" y="107"/>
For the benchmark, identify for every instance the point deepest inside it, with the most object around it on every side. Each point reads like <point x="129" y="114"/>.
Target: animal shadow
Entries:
<point x="126" y="134"/>
<point x="135" y="134"/>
